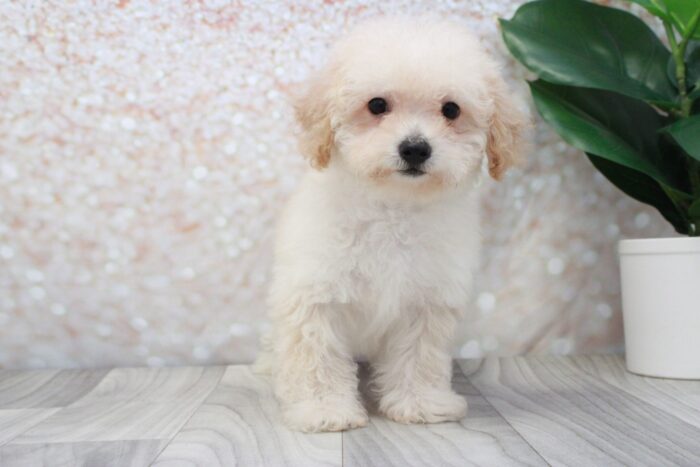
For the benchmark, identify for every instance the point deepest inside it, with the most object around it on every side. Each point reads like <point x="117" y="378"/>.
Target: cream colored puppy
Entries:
<point x="375" y="252"/>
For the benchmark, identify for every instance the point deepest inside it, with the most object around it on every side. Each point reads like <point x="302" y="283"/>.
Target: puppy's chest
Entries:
<point x="401" y="255"/>
<point x="381" y="244"/>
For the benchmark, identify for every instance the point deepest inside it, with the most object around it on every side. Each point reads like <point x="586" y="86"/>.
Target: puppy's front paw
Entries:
<point x="325" y="415"/>
<point x="429" y="407"/>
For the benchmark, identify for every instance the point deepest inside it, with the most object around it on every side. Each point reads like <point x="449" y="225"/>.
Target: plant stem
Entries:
<point x="678" y="58"/>
<point x="678" y="53"/>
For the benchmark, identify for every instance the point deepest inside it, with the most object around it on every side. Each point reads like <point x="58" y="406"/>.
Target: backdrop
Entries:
<point x="147" y="147"/>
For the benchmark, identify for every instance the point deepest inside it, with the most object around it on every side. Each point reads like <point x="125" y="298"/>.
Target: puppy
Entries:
<point x="375" y="252"/>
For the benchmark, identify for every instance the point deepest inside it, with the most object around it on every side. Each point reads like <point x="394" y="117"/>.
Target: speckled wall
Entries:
<point x="146" y="148"/>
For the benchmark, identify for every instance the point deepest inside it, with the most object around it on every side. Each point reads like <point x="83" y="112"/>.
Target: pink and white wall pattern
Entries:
<point x="146" y="148"/>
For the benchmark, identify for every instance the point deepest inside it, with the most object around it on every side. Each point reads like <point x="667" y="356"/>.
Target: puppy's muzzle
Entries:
<point x="414" y="151"/>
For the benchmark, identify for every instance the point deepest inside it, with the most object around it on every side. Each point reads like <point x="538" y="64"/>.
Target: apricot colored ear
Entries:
<point x="506" y="128"/>
<point x="313" y="113"/>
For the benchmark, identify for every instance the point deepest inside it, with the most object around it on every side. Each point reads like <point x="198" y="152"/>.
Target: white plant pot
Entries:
<point x="661" y="306"/>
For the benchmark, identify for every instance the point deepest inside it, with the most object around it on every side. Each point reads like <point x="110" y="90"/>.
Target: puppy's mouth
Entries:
<point x="413" y="171"/>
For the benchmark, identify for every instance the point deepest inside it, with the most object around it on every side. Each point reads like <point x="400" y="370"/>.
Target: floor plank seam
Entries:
<point x="501" y="415"/>
<point x="204" y="399"/>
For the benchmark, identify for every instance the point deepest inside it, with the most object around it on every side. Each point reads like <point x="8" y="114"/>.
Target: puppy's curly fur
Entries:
<point x="373" y="260"/>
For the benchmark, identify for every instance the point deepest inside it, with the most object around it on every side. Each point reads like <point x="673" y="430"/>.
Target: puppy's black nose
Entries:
<point x="415" y="151"/>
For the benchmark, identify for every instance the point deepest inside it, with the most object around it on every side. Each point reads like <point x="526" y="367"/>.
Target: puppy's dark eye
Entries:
<point x="377" y="106"/>
<point x="450" y="110"/>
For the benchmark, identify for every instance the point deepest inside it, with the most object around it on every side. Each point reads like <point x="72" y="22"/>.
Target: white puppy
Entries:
<point x="375" y="252"/>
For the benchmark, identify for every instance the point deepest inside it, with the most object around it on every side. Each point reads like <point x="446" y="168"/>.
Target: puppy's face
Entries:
<point x="410" y="104"/>
<point x="405" y="127"/>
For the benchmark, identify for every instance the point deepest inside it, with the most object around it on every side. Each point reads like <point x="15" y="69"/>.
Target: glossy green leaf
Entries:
<point x="577" y="43"/>
<point x="618" y="128"/>
<point x="642" y="188"/>
<point x="686" y="132"/>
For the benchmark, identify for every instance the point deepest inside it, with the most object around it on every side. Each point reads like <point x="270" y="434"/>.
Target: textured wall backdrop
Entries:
<point x="146" y="148"/>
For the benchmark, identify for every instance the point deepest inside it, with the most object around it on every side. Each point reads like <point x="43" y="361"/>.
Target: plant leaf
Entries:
<point x="686" y="132"/>
<point x="608" y="125"/>
<point x="576" y="43"/>
<point x="642" y="188"/>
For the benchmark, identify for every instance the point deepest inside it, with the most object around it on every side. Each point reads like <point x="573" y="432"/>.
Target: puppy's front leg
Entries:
<point x="412" y="375"/>
<point x="316" y="377"/>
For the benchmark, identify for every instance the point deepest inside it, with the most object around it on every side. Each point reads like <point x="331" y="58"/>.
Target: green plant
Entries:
<point x="610" y="87"/>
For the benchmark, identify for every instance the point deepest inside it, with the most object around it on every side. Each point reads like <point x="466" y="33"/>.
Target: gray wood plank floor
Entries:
<point x="575" y="418"/>
<point x="482" y="438"/>
<point x="522" y="411"/>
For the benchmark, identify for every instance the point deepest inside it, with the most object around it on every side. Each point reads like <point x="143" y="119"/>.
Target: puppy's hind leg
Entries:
<point x="315" y="375"/>
<point x="412" y="374"/>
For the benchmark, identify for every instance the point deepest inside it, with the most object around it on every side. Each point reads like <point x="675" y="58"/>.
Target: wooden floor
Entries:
<point x="522" y="411"/>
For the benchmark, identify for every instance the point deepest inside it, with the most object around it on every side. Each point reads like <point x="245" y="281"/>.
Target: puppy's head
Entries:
<point x="410" y="103"/>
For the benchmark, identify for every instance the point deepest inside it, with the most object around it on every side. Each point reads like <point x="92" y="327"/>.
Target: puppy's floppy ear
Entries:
<point x="507" y="124"/>
<point x="313" y="111"/>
